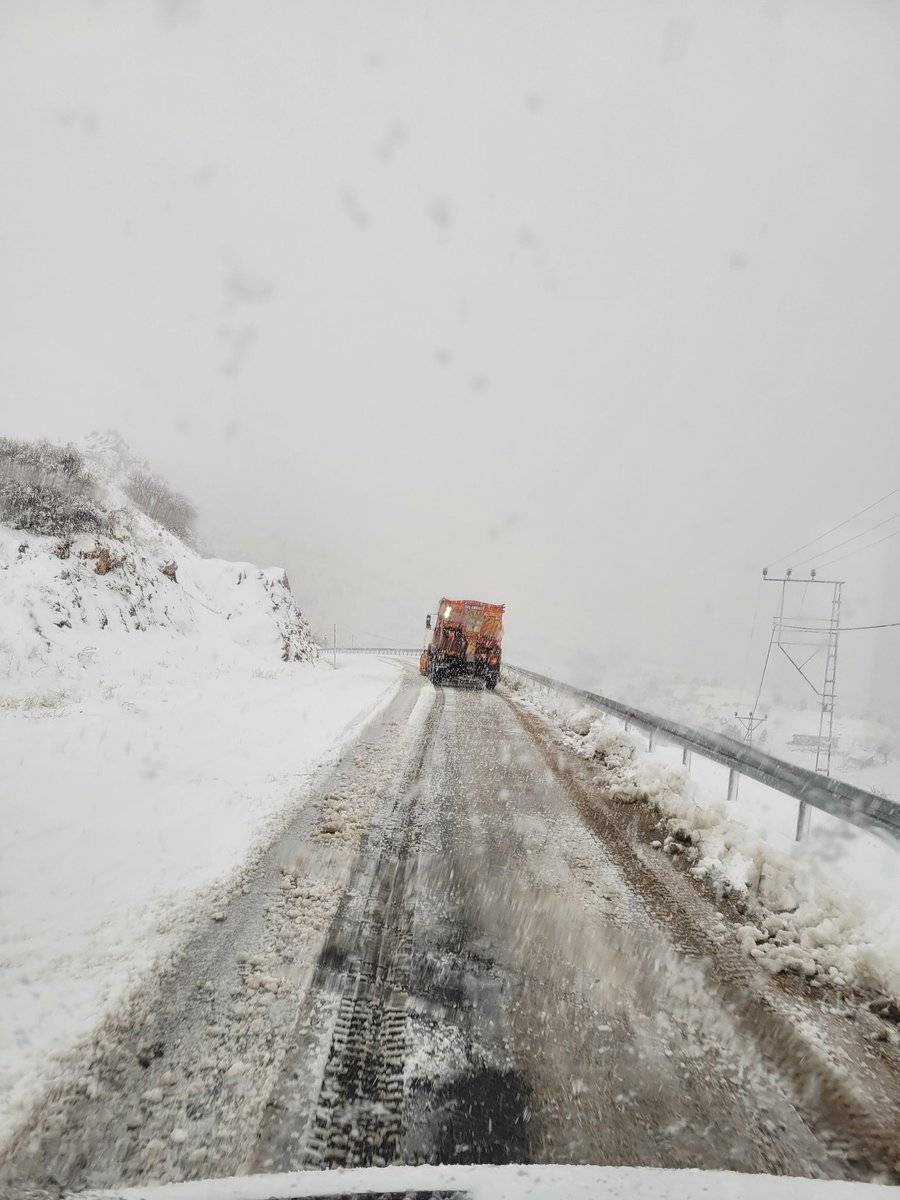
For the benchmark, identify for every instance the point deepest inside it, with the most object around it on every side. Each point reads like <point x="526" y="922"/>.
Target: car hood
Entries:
<point x="510" y="1182"/>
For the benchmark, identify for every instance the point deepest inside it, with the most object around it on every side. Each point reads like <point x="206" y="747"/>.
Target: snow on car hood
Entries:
<point x="511" y="1182"/>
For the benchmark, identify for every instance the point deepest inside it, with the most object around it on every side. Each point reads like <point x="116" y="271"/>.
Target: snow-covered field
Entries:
<point x="826" y="908"/>
<point x="867" y="751"/>
<point x="152" y="735"/>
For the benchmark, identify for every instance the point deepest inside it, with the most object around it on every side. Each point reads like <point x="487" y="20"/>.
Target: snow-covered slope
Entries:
<point x="62" y="598"/>
<point x="53" y="608"/>
<point x="153" y="732"/>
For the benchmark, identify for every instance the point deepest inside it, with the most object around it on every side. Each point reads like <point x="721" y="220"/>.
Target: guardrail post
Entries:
<point x="651" y="739"/>
<point x="686" y="758"/>
<point x="733" y="778"/>
<point x="803" y="816"/>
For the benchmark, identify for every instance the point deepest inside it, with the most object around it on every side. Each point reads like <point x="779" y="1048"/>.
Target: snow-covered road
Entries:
<point x="456" y="955"/>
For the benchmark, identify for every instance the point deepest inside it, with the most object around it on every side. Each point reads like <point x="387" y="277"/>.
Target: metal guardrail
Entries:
<point x="369" y="650"/>
<point x="838" y="799"/>
<point x="842" y="800"/>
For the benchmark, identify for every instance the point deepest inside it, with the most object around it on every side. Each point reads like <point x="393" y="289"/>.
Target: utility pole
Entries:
<point x="749" y="723"/>
<point x="784" y="630"/>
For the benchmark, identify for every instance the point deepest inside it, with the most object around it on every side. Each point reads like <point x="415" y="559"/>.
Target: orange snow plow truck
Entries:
<point x="465" y="640"/>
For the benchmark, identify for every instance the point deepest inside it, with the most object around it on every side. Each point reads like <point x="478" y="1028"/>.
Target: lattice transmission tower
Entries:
<point x="787" y="636"/>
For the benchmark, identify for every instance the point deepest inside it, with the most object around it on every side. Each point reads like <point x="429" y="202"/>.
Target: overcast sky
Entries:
<point x="591" y="308"/>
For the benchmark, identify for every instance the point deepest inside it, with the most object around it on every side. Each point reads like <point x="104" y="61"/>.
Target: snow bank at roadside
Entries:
<point x="799" y="917"/>
<point x="153" y="732"/>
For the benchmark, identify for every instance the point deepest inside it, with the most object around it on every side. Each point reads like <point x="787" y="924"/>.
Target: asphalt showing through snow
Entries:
<point x="448" y="959"/>
<point x="505" y="971"/>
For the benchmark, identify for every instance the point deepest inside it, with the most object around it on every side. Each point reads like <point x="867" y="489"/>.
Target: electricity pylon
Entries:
<point x="830" y="628"/>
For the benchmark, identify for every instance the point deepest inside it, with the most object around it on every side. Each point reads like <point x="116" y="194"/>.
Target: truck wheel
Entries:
<point x="436" y="677"/>
<point x="491" y="682"/>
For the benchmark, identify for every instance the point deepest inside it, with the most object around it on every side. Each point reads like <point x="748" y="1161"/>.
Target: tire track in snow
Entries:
<point x="360" y="984"/>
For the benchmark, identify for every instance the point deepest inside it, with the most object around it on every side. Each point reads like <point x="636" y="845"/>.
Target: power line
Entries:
<point x="858" y="550"/>
<point x="840" y="525"/>
<point x="746" y="670"/>
<point x="846" y="541"/>
<point x="762" y="677"/>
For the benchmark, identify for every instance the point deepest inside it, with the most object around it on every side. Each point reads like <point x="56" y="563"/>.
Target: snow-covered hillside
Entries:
<point x="64" y="597"/>
<point x="153" y="732"/>
<point x="867" y="751"/>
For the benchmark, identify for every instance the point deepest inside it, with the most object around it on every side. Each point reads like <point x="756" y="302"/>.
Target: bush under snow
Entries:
<point x="48" y="489"/>
<point x="162" y="503"/>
